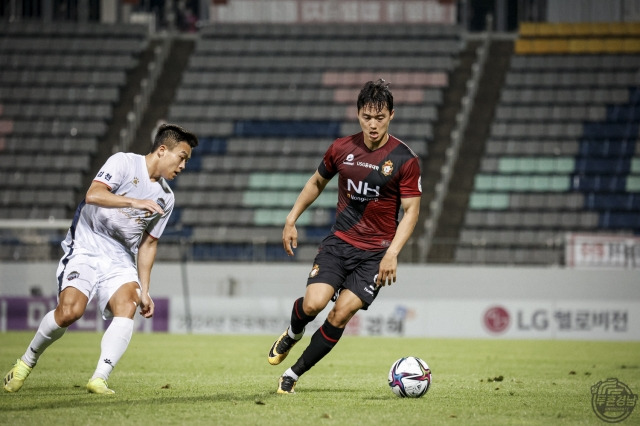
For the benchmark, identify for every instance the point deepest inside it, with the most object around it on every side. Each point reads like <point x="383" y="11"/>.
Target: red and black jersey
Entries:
<point x="370" y="186"/>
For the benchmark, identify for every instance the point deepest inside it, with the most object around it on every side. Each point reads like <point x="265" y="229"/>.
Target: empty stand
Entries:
<point x="562" y="155"/>
<point x="58" y="87"/>
<point x="579" y="38"/>
<point x="267" y="101"/>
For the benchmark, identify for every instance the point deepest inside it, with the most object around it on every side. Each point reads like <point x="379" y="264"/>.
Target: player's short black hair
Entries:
<point x="376" y="94"/>
<point x="171" y="135"/>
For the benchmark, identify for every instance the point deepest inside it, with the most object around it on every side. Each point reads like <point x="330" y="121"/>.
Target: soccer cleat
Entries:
<point x="286" y="385"/>
<point x="15" y="378"/>
<point x="280" y="348"/>
<point x="99" y="385"/>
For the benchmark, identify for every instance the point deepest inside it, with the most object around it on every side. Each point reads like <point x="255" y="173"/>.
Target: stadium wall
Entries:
<point x="428" y="301"/>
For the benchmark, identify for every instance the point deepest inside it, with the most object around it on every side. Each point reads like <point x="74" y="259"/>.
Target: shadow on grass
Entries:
<point x="51" y="398"/>
<point x="46" y="398"/>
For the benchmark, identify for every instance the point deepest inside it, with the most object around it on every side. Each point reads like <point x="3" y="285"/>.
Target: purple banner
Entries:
<point x="25" y="313"/>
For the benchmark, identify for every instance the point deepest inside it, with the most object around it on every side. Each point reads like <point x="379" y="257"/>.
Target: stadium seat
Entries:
<point x="279" y="94"/>
<point x="561" y="146"/>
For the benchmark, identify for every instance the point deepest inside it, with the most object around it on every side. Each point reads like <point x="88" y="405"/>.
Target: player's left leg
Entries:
<point x="122" y="304"/>
<point x="323" y="340"/>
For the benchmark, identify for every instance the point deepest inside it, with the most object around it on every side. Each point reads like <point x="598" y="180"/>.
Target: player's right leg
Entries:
<point x="281" y="347"/>
<point x="52" y="327"/>
<point x="304" y="311"/>
<point x="15" y="378"/>
<point x="323" y="340"/>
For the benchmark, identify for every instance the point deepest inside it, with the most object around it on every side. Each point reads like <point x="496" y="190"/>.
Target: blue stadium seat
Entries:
<point x="607" y="148"/>
<point x="619" y="220"/>
<point x="603" y="166"/>
<point x="598" y="183"/>
<point x="619" y="201"/>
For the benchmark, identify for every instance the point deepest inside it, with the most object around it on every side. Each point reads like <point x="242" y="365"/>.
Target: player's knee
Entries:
<point x="66" y="315"/>
<point x="339" y="318"/>
<point x="313" y="308"/>
<point x="124" y="307"/>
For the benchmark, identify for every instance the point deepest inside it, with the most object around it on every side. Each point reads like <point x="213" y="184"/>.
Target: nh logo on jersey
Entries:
<point x="387" y="168"/>
<point x="363" y="188"/>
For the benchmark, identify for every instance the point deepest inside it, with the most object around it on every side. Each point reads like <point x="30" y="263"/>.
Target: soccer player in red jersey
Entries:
<point x="377" y="175"/>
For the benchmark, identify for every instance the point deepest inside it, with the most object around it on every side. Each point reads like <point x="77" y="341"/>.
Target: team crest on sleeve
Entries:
<point x="73" y="275"/>
<point x="314" y="270"/>
<point x="387" y="168"/>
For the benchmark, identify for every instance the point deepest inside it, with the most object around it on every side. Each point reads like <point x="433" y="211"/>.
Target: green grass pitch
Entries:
<point x="166" y="379"/>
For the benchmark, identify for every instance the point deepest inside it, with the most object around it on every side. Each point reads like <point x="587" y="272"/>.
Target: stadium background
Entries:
<point x="525" y="114"/>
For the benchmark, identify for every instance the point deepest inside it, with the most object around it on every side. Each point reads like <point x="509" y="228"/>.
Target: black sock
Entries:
<point x="298" y="318"/>
<point x="322" y="341"/>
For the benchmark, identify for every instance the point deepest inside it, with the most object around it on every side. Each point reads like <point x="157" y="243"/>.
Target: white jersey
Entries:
<point x="117" y="232"/>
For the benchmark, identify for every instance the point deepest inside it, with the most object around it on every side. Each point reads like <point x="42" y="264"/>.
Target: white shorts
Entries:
<point x="95" y="274"/>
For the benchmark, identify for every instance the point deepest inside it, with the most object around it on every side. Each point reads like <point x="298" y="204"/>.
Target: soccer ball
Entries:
<point x="410" y="377"/>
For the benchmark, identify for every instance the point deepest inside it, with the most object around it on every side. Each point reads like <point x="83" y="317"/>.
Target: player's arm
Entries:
<point x="310" y="192"/>
<point x="100" y="194"/>
<point x="146" y="256"/>
<point x="389" y="263"/>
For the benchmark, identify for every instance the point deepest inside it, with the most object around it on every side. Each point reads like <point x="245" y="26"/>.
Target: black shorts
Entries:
<point x="342" y="265"/>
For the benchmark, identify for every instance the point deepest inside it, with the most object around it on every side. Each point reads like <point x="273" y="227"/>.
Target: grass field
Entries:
<point x="226" y="380"/>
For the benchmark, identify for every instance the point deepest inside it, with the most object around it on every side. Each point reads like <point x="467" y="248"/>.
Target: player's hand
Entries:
<point x="387" y="271"/>
<point x="289" y="238"/>
<point x="148" y="205"/>
<point x="146" y="305"/>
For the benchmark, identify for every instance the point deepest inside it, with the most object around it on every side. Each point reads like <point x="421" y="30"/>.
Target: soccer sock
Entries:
<point x="114" y="343"/>
<point x="322" y="341"/>
<point x="48" y="332"/>
<point x="298" y="320"/>
<point x="291" y="374"/>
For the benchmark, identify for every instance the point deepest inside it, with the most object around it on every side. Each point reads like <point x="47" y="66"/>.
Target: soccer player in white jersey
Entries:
<point x="109" y="251"/>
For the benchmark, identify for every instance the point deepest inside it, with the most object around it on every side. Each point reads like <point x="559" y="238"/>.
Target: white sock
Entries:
<point x="291" y="374"/>
<point x="114" y="343"/>
<point x="293" y="335"/>
<point x="48" y="332"/>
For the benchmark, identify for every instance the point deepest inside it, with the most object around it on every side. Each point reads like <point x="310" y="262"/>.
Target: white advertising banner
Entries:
<point x="343" y="11"/>
<point x="427" y="300"/>
<point x="543" y="319"/>
<point x="602" y="251"/>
